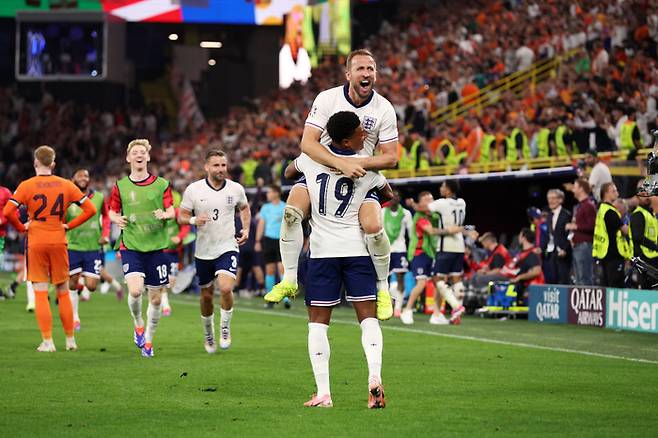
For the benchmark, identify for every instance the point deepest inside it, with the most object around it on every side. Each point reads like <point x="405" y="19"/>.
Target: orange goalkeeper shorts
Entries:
<point x="48" y="263"/>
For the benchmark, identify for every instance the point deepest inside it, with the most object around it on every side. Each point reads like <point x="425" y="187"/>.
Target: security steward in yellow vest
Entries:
<point x="610" y="248"/>
<point x="248" y="167"/>
<point x="487" y="148"/>
<point x="629" y="136"/>
<point x="517" y="146"/>
<point x="563" y="140"/>
<point x="413" y="156"/>
<point x="644" y="235"/>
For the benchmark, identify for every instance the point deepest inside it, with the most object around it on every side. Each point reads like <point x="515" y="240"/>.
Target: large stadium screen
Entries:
<point x="258" y="12"/>
<point x="60" y="49"/>
<point x="321" y="28"/>
<point x="265" y="12"/>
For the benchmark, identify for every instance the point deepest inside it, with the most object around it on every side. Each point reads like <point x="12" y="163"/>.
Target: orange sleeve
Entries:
<point x="88" y="210"/>
<point x="11" y="213"/>
<point x="20" y="196"/>
<point x="75" y="195"/>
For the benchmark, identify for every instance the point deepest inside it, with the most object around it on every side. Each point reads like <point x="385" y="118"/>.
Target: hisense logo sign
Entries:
<point x="631" y="309"/>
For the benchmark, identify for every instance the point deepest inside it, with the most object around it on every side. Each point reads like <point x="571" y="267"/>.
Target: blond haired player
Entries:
<point x="47" y="198"/>
<point x="140" y="204"/>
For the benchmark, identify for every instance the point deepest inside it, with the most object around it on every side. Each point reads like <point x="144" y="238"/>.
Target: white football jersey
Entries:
<point x="376" y="114"/>
<point x="452" y="211"/>
<point x="218" y="235"/>
<point x="400" y="245"/>
<point x="335" y="203"/>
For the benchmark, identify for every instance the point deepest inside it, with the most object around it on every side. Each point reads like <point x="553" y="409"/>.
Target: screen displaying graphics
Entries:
<point x="318" y="29"/>
<point x="60" y="50"/>
<point x="260" y="12"/>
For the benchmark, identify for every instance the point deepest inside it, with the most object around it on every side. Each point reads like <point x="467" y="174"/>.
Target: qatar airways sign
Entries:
<point x="632" y="309"/>
<point x="586" y="306"/>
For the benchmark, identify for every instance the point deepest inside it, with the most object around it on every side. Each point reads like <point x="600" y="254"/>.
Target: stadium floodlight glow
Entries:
<point x="211" y="45"/>
<point x="211" y="62"/>
<point x="173" y="37"/>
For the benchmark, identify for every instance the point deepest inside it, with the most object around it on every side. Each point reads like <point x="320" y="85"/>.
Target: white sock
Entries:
<point x="153" y="315"/>
<point x="135" y="305"/>
<point x="104" y="288"/>
<point x="208" y="327"/>
<point x="373" y="344"/>
<point x="458" y="289"/>
<point x="379" y="249"/>
<point x="164" y="300"/>
<point x="447" y="294"/>
<point x="291" y="241"/>
<point x="30" y="292"/>
<point x="74" y="301"/>
<point x="318" y="352"/>
<point x="225" y="318"/>
<point x="116" y="285"/>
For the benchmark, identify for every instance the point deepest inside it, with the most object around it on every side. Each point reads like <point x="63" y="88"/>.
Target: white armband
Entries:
<point x="193" y="220"/>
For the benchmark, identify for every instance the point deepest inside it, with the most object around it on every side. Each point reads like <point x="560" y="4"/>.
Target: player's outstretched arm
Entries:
<point x="452" y="229"/>
<point x="11" y="214"/>
<point x="291" y="172"/>
<point x="169" y="213"/>
<point x="105" y="221"/>
<point x="245" y="220"/>
<point x="312" y="147"/>
<point x="118" y="219"/>
<point x="386" y="193"/>
<point x="185" y="218"/>
<point x="260" y="230"/>
<point x="388" y="159"/>
<point x="88" y="210"/>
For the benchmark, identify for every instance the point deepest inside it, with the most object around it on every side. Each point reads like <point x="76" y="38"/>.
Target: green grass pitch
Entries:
<point x="484" y="378"/>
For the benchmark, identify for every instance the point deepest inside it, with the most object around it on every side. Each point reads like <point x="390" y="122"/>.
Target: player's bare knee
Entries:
<point x="206" y="294"/>
<point x="371" y="227"/>
<point x="91" y="284"/>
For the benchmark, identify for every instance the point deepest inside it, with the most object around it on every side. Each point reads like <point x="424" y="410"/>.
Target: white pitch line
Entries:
<point x="453" y="336"/>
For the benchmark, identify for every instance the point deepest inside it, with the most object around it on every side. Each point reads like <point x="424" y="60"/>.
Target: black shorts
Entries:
<point x="271" y="251"/>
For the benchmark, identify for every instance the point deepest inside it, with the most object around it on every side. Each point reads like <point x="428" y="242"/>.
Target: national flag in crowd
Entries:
<point x="145" y="10"/>
<point x="189" y="112"/>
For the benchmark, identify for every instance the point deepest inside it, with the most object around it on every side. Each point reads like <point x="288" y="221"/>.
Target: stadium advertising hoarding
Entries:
<point x="619" y="309"/>
<point x="632" y="309"/>
<point x="548" y="304"/>
<point x="586" y="306"/>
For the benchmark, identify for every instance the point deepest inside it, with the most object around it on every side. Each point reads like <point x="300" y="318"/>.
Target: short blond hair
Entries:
<point x="139" y="142"/>
<point x="45" y="155"/>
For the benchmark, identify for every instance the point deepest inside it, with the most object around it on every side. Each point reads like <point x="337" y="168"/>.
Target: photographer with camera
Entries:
<point x="644" y="232"/>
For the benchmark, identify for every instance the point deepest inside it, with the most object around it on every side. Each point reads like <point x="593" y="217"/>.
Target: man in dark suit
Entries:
<point x="557" y="265"/>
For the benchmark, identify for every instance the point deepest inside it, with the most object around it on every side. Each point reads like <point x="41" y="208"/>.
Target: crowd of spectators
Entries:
<point x="427" y="59"/>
